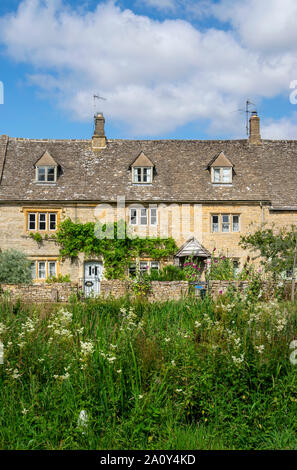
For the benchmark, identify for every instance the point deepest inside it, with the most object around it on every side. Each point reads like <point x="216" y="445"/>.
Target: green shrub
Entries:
<point x="36" y="237"/>
<point x="168" y="273"/>
<point x="14" y="267"/>
<point x="60" y="278"/>
<point x="220" y="268"/>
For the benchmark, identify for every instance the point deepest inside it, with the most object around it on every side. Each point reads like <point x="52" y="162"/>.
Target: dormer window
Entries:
<point x="46" y="174"/>
<point x="221" y="169"/>
<point x="142" y="170"/>
<point x="142" y="175"/>
<point x="46" y="169"/>
<point x="222" y="175"/>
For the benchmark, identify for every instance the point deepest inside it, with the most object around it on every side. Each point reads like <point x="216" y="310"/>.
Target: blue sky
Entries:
<point x="167" y="68"/>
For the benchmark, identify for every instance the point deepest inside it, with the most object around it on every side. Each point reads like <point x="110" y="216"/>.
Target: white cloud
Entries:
<point x="155" y="75"/>
<point x="284" y="128"/>
<point x="160" y="4"/>
<point x="268" y="26"/>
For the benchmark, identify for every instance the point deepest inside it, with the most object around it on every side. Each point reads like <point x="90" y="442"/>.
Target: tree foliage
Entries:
<point x="275" y="248"/>
<point x="111" y="241"/>
<point x="14" y="267"/>
<point x="278" y="250"/>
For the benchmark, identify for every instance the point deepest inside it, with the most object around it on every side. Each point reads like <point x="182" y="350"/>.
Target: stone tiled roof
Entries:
<point x="264" y="172"/>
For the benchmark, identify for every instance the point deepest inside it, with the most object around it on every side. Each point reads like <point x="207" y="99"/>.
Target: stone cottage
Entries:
<point x="204" y="194"/>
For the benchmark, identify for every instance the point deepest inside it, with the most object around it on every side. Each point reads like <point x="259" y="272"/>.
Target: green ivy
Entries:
<point x="36" y="237"/>
<point x="117" y="249"/>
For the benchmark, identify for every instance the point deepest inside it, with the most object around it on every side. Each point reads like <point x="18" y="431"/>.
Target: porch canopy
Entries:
<point x="192" y="248"/>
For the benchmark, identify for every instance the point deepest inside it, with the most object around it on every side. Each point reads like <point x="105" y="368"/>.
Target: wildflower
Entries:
<point x="83" y="419"/>
<point x="140" y="397"/>
<point x="220" y="292"/>
<point x="86" y="347"/>
<point x="119" y="371"/>
<point x="111" y="359"/>
<point x="167" y="340"/>
<point x="113" y="346"/>
<point x="178" y="390"/>
<point x="173" y="363"/>
<point x="197" y="324"/>
<point x="238" y="360"/>
<point x="3" y="328"/>
<point x="24" y="411"/>
<point x="260" y="348"/>
<point x="15" y="374"/>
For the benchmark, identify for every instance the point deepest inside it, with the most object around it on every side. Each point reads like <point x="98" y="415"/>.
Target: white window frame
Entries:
<point x="35" y="265"/>
<point x="43" y="221"/>
<point x="217" y="223"/>
<point x="143" y="216"/>
<point x="153" y="210"/>
<point x="33" y="268"/>
<point x="38" y="270"/>
<point x="140" y="171"/>
<point x="136" y="216"/>
<point x="46" y="172"/>
<point x="220" y="223"/>
<point x="49" y="221"/>
<point x="132" y="269"/>
<point x="221" y="169"/>
<point x="29" y="214"/>
<point x="156" y="263"/>
<point x="146" y="270"/>
<point x="235" y="215"/>
<point x="37" y="216"/>
<point x="147" y="267"/>
<point x="225" y="223"/>
<point x="48" y="268"/>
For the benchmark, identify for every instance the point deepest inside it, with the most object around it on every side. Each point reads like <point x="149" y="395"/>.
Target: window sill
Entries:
<point x="45" y="183"/>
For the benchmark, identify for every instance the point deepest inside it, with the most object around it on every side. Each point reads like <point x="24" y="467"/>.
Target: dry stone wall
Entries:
<point x="160" y="291"/>
<point x="40" y="292"/>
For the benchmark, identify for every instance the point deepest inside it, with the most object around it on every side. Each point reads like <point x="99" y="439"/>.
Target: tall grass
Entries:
<point x="192" y="374"/>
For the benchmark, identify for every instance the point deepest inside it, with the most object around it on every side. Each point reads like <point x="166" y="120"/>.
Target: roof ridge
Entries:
<point x="3" y="151"/>
<point x="25" y="139"/>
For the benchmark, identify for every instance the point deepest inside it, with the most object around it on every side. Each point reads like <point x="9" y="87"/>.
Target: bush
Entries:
<point x="60" y="278"/>
<point x="221" y="268"/>
<point x="14" y="267"/>
<point x="169" y="273"/>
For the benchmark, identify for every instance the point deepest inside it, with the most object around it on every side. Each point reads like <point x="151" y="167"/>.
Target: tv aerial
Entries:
<point x="247" y="112"/>
<point x="97" y="97"/>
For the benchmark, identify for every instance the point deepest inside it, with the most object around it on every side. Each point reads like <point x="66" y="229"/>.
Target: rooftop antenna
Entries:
<point x="247" y="111"/>
<point x="97" y="97"/>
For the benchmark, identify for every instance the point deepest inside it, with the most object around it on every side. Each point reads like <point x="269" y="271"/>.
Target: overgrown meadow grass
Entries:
<point x="192" y="374"/>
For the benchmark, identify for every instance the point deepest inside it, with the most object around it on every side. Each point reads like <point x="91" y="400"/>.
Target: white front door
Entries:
<point x="93" y="275"/>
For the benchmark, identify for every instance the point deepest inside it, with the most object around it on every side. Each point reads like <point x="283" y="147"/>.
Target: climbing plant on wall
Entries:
<point x="113" y="241"/>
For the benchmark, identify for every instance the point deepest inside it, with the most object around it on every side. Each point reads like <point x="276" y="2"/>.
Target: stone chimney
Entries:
<point x="99" y="139"/>
<point x="255" y="136"/>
